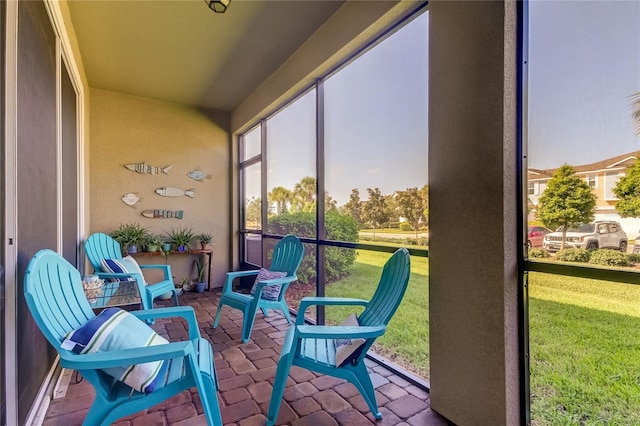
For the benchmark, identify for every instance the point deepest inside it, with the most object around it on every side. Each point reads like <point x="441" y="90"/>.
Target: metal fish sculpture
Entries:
<point x="145" y="168"/>
<point x="162" y="214"/>
<point x="171" y="191"/>
<point x="198" y="175"/>
<point x="130" y="198"/>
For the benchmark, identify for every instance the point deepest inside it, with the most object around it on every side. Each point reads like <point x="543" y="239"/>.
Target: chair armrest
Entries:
<point x="166" y="269"/>
<point x="185" y="312"/>
<point x="116" y="275"/>
<point x="233" y="275"/>
<point x="338" y="331"/>
<point x="306" y="302"/>
<point x="125" y="357"/>
<point x="274" y="281"/>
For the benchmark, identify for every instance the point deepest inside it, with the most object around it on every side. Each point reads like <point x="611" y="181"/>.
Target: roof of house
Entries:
<point x="614" y="163"/>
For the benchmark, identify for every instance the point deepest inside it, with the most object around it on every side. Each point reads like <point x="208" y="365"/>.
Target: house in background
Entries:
<point x="602" y="177"/>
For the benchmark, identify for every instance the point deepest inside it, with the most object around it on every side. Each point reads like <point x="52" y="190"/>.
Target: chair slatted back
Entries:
<point x="391" y="289"/>
<point x="287" y="255"/>
<point x="55" y="297"/>
<point x="101" y="246"/>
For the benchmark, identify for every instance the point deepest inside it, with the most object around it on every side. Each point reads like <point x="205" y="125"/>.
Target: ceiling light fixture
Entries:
<point x="218" y="6"/>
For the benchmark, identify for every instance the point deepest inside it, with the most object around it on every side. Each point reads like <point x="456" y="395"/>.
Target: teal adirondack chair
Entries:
<point x="314" y="346"/>
<point x="101" y="246"/>
<point x="287" y="256"/>
<point x="54" y="294"/>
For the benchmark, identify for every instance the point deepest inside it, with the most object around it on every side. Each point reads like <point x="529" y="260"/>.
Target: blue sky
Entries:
<point x="375" y="112"/>
<point x="584" y="64"/>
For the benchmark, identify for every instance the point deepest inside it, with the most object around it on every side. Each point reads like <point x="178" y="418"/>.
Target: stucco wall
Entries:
<point x="473" y="296"/>
<point x="129" y="130"/>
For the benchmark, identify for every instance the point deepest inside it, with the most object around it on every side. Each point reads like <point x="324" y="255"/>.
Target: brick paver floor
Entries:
<point x="245" y="377"/>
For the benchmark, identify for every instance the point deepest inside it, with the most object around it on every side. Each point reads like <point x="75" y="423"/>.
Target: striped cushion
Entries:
<point x="122" y="266"/>
<point x="114" y="329"/>
<point x="270" y="292"/>
<point x="347" y="349"/>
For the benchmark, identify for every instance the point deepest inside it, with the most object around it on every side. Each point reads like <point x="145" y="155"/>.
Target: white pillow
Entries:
<point x="346" y="348"/>
<point x="114" y="329"/>
<point x="122" y="266"/>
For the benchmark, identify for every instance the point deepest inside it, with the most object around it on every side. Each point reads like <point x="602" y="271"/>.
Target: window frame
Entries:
<point x="319" y="243"/>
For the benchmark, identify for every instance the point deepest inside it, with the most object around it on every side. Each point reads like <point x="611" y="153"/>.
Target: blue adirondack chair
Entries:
<point x="314" y="346"/>
<point x="101" y="246"/>
<point x="287" y="255"/>
<point x="55" y="297"/>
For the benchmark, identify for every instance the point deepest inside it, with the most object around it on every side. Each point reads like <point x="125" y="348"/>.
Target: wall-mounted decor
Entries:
<point x="130" y="198"/>
<point x="171" y="191"/>
<point x="163" y="214"/>
<point x="145" y="168"/>
<point x="198" y="175"/>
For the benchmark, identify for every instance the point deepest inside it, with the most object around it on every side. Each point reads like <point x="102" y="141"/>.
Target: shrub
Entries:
<point x="538" y="253"/>
<point x="634" y="257"/>
<point x="609" y="258"/>
<point x="573" y="255"/>
<point x="408" y="241"/>
<point x="404" y="226"/>
<point x="339" y="227"/>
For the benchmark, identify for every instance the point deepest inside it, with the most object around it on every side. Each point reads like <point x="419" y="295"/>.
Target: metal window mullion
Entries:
<point x="320" y="207"/>
<point x="263" y="185"/>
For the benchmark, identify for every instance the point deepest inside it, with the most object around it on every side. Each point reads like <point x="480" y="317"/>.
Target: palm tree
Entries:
<point x="304" y="194"/>
<point x="635" y="110"/>
<point x="281" y="196"/>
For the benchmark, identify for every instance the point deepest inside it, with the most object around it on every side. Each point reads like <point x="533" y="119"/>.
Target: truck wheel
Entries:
<point x="592" y="246"/>
<point x="623" y="246"/>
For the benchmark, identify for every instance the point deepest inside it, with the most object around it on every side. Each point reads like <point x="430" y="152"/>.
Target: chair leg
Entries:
<point x="279" y="383"/>
<point x="209" y="399"/>
<point x="248" y="321"/>
<point x="98" y="413"/>
<point x="362" y="381"/>
<point x="218" y="313"/>
<point x="175" y="297"/>
<point x="285" y="311"/>
<point x="264" y="311"/>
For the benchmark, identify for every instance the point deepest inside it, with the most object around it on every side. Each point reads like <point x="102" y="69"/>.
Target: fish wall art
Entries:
<point x="163" y="214"/>
<point x="171" y="191"/>
<point x="198" y="175"/>
<point x="145" y="168"/>
<point x="131" y="198"/>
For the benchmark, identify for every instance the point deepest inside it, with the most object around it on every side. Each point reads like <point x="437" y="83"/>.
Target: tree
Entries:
<point x="353" y="207"/>
<point x="411" y="207"/>
<point x="635" y="111"/>
<point x="567" y="201"/>
<point x="304" y="195"/>
<point x="282" y="197"/>
<point x="253" y="212"/>
<point x="330" y="205"/>
<point x="627" y="189"/>
<point x="424" y="193"/>
<point x="375" y="209"/>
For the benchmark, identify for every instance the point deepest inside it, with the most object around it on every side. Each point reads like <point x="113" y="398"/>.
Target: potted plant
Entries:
<point x="131" y="236"/>
<point x="165" y="246"/>
<point x="181" y="237"/>
<point x="200" y="285"/>
<point x="154" y="242"/>
<point x="205" y="239"/>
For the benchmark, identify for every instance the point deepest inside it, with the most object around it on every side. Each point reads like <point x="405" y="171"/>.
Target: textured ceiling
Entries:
<point x="180" y="51"/>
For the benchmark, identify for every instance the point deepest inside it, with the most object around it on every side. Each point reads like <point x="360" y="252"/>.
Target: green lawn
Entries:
<point x="584" y="341"/>
<point x="407" y="338"/>
<point x="585" y="351"/>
